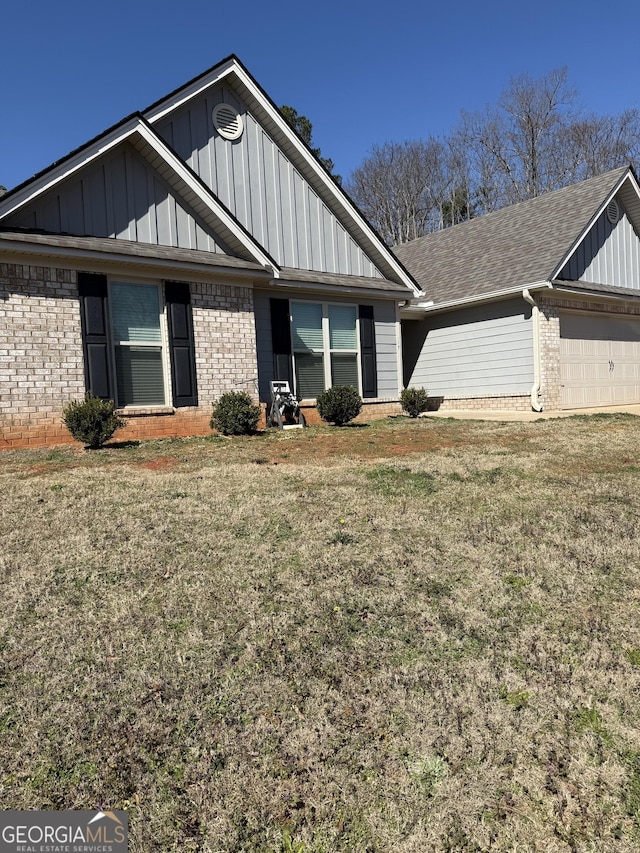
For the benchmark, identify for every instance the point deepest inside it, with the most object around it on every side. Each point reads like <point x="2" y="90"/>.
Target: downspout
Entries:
<point x="536" y="405"/>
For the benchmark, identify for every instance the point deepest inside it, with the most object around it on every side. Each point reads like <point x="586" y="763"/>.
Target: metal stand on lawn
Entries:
<point x="284" y="411"/>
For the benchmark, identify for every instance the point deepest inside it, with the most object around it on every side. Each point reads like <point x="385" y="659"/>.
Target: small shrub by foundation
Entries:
<point x="235" y="413"/>
<point x="414" y="401"/>
<point x="92" y="421"/>
<point x="339" y="405"/>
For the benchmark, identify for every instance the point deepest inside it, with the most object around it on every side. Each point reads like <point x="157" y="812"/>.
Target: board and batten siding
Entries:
<point x="384" y="315"/>
<point x="609" y="254"/>
<point x="485" y="350"/>
<point x="120" y="196"/>
<point x="260" y="186"/>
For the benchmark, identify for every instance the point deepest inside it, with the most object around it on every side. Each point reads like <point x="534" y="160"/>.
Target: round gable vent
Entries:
<point x="227" y="121"/>
<point x="613" y="211"/>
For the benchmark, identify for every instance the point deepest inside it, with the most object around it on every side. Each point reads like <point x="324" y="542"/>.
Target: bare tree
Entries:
<point x="605" y="142"/>
<point x="398" y="187"/>
<point x="517" y="147"/>
<point x="531" y="141"/>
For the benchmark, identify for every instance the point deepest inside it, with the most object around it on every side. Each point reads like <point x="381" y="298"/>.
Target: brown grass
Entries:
<point x="409" y="636"/>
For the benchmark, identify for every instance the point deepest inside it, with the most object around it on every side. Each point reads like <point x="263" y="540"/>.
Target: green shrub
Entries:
<point x="235" y="414"/>
<point x="414" y="401"/>
<point x="92" y="421"/>
<point x="339" y="405"/>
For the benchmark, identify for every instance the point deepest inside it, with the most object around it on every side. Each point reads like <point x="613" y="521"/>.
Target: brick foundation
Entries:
<point x="370" y="411"/>
<point x="470" y="404"/>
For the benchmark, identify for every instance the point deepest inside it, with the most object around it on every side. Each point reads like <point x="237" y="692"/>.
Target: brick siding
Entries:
<point x="41" y="361"/>
<point x="520" y="403"/>
<point x="41" y="365"/>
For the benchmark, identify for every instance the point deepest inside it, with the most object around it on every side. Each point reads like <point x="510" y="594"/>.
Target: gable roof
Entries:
<point x="264" y="108"/>
<point x="175" y="172"/>
<point x="516" y="247"/>
<point x="139" y="129"/>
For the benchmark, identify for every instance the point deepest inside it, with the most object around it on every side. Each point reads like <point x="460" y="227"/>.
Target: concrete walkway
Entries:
<point x="496" y="415"/>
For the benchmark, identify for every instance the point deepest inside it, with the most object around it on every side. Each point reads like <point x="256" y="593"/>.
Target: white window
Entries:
<point x="139" y="346"/>
<point x="325" y="346"/>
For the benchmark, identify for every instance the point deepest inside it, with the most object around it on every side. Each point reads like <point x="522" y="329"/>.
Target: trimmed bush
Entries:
<point x="339" y="405"/>
<point x="92" y="421"/>
<point x="235" y="414"/>
<point x="414" y="401"/>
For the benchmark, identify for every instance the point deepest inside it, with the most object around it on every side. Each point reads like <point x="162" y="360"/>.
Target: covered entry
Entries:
<point x="599" y="360"/>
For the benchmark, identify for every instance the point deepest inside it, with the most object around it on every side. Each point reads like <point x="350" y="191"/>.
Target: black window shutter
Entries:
<point x="182" y="350"/>
<point x="92" y="288"/>
<point x="281" y="340"/>
<point x="368" y="351"/>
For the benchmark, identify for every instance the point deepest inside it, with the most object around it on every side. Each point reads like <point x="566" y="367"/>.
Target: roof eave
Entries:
<point x="136" y="127"/>
<point x="414" y="309"/>
<point x="76" y="256"/>
<point x="335" y="289"/>
<point x="565" y="287"/>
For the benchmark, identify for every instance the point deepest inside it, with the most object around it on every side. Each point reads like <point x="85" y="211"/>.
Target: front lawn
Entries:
<point x="410" y="636"/>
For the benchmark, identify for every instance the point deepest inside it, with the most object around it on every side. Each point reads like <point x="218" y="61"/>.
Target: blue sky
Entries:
<point x="363" y="71"/>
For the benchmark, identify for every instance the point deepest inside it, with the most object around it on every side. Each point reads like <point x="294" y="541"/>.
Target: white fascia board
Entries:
<point x="57" y="174"/>
<point x="627" y="176"/>
<point x="201" y="84"/>
<point x="431" y="308"/>
<point x="207" y="197"/>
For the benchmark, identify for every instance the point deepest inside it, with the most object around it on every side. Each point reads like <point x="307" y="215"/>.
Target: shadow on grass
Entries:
<point x="117" y="445"/>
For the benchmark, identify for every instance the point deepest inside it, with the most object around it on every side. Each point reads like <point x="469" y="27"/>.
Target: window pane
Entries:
<point x="306" y="324"/>
<point x="344" y="369"/>
<point x="309" y="375"/>
<point x="139" y="376"/>
<point x="342" y="327"/>
<point x="135" y="312"/>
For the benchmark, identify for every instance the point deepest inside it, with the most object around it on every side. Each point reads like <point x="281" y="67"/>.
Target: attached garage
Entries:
<point x="572" y="259"/>
<point x="599" y="360"/>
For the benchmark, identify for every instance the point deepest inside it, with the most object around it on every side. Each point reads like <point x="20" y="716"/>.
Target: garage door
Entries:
<point x="599" y="360"/>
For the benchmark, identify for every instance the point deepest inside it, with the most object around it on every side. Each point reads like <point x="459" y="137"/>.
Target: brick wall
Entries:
<point x="549" y="332"/>
<point x="519" y="403"/>
<point x="40" y="354"/>
<point x="224" y="329"/>
<point x="370" y="411"/>
<point x="41" y="362"/>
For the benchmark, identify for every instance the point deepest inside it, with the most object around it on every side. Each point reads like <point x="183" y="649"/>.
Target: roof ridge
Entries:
<point x="518" y="206"/>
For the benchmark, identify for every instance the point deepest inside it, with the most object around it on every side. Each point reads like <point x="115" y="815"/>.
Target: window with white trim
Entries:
<point x="139" y="346"/>
<point x="325" y="346"/>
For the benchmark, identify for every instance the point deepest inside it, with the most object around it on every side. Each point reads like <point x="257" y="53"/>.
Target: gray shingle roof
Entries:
<point x="513" y="247"/>
<point x="357" y="282"/>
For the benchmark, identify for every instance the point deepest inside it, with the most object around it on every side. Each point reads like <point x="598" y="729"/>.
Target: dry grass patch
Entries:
<point x="261" y="645"/>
